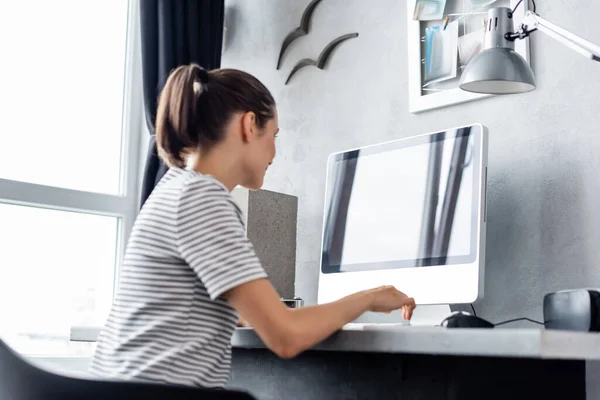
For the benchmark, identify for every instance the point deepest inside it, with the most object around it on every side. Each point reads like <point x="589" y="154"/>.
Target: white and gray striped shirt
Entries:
<point x="169" y="322"/>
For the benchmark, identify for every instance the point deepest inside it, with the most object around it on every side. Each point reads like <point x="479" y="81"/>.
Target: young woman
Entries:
<point x="189" y="268"/>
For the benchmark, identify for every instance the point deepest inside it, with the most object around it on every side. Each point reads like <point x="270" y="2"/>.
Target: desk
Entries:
<point x="417" y="363"/>
<point x="421" y="363"/>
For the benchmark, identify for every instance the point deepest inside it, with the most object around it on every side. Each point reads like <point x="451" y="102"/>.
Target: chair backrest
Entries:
<point x="21" y="380"/>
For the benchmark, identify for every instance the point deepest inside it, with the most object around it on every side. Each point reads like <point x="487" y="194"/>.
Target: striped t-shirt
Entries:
<point x="169" y="322"/>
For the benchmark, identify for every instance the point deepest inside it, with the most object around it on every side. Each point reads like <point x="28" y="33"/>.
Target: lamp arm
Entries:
<point x="533" y="22"/>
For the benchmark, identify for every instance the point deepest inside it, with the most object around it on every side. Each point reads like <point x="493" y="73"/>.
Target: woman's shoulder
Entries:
<point x="190" y="181"/>
<point x="204" y="191"/>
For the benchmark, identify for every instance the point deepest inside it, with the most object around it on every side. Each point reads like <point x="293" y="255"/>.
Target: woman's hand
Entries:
<point x="388" y="298"/>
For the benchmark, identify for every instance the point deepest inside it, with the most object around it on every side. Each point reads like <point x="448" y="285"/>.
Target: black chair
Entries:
<point x="20" y="380"/>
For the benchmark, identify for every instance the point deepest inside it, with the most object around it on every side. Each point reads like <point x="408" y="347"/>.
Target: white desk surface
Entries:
<point x="497" y="342"/>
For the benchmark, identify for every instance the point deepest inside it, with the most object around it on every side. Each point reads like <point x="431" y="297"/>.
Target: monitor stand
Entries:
<point x="430" y="315"/>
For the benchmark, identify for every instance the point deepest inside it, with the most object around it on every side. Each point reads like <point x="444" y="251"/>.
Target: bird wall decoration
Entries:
<point x="303" y="30"/>
<point x="321" y="61"/>
<point x="300" y="31"/>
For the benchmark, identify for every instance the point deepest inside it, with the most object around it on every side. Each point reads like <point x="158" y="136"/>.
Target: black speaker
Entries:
<point x="573" y="310"/>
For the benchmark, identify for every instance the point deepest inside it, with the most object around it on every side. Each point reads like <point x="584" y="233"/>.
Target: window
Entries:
<point x="69" y="159"/>
<point x="57" y="270"/>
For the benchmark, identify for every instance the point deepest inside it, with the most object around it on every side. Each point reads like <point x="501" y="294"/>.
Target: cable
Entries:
<point x="523" y="32"/>
<point x="519" y="319"/>
<point x="510" y="320"/>
<point x="517" y="6"/>
<point x="519" y="3"/>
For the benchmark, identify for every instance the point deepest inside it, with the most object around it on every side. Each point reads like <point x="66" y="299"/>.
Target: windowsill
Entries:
<point x="76" y="366"/>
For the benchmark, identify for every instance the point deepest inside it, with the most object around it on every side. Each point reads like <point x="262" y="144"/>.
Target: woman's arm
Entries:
<point x="288" y="332"/>
<point x="213" y="242"/>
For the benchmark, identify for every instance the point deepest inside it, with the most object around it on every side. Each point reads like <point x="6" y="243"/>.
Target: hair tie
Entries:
<point x="197" y="88"/>
<point x="203" y="75"/>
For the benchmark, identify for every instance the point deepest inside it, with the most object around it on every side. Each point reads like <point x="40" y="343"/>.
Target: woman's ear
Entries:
<point x="249" y="128"/>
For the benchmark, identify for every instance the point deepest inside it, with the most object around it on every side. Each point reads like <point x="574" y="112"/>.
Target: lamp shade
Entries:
<point x="498" y="70"/>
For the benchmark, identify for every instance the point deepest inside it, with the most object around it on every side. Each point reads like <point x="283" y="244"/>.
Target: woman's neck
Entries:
<point x="217" y="165"/>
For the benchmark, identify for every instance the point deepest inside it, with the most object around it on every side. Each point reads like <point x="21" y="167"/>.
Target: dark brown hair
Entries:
<point x="196" y="104"/>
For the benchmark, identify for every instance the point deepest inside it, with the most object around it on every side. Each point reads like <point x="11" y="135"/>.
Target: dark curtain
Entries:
<point x="174" y="33"/>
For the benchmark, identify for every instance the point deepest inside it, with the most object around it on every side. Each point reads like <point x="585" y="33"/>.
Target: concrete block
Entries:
<point x="271" y="227"/>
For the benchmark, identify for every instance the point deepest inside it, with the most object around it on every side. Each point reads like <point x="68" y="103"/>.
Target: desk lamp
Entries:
<point x="499" y="69"/>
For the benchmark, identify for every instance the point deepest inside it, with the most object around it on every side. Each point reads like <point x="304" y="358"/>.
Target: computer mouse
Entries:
<point x="466" y="321"/>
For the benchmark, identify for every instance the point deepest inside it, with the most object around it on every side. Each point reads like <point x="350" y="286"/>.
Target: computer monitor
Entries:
<point x="409" y="213"/>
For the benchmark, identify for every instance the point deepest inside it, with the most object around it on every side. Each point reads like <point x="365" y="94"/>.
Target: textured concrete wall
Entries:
<point x="544" y="156"/>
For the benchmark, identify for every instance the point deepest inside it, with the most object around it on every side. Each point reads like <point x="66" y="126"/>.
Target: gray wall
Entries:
<point x="544" y="158"/>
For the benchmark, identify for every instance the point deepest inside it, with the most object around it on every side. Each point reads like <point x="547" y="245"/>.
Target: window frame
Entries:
<point x="125" y="205"/>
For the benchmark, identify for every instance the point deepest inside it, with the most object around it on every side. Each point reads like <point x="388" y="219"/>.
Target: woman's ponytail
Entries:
<point x="176" y="116"/>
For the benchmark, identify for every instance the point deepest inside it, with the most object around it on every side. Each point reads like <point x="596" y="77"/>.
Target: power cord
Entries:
<point x="519" y="319"/>
<point x="473" y="308"/>
<point x="517" y="6"/>
<point x="519" y="3"/>
<point x="523" y="31"/>
<point x="510" y="320"/>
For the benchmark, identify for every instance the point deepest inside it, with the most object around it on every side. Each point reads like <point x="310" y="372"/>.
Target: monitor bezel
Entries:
<point x="445" y="284"/>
